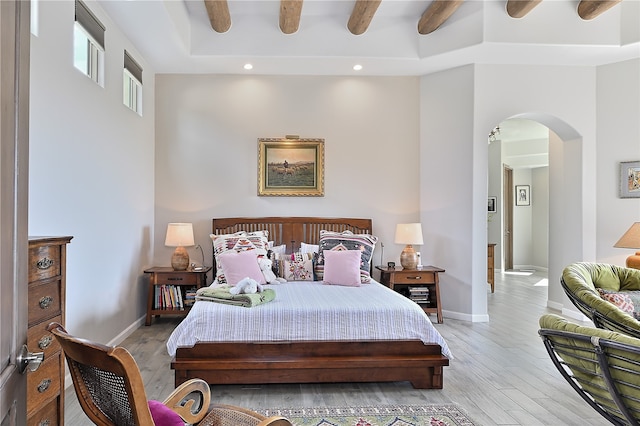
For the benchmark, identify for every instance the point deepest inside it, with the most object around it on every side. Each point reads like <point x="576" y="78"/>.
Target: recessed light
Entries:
<point x="248" y="66"/>
<point x="357" y="67"/>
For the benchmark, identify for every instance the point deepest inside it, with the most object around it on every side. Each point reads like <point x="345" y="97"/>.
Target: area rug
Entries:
<point x="391" y="415"/>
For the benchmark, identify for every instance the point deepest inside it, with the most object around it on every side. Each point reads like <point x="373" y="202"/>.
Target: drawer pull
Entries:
<point x="45" y="302"/>
<point x="45" y="342"/>
<point x="174" y="279"/>
<point x="414" y="278"/>
<point x="45" y="422"/>
<point x="45" y="263"/>
<point x="44" y="385"/>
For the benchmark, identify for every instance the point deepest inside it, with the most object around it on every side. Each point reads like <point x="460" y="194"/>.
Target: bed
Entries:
<point x="415" y="357"/>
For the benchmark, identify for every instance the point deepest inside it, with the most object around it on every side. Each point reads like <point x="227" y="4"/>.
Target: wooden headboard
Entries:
<point x="291" y="230"/>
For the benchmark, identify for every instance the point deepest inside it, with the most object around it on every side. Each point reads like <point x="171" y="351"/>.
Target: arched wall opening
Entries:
<point x="566" y="201"/>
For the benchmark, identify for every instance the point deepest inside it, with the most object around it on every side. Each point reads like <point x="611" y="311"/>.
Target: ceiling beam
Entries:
<point x="362" y="15"/>
<point x="218" y="11"/>
<point x="519" y="8"/>
<point x="436" y="14"/>
<point x="290" y="11"/>
<point x="590" y="9"/>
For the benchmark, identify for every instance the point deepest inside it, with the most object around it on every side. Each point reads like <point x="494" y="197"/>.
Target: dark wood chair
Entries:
<point x="602" y="366"/>
<point x="111" y="392"/>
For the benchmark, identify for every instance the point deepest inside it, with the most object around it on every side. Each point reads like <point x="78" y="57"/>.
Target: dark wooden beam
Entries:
<point x="362" y="15"/>
<point x="519" y="8"/>
<point x="218" y="11"/>
<point x="290" y="11"/>
<point x="436" y="14"/>
<point x="590" y="9"/>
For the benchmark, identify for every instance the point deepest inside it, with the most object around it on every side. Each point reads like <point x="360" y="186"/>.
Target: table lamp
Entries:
<point x="179" y="235"/>
<point x="409" y="234"/>
<point x="631" y="239"/>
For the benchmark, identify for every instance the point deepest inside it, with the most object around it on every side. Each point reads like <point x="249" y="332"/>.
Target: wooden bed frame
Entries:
<point x="308" y="361"/>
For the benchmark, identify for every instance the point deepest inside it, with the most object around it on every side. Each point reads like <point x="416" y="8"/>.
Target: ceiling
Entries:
<point x="176" y="36"/>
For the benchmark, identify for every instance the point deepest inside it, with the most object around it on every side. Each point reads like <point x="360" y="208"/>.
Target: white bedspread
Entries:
<point x="310" y="311"/>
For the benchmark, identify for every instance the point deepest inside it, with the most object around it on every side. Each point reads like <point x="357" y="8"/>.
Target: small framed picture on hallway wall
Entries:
<point x="523" y="195"/>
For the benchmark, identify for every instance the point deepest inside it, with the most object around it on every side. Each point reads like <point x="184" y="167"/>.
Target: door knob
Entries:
<point x="32" y="360"/>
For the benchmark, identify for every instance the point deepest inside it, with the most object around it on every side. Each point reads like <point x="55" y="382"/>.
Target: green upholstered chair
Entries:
<point x="581" y="280"/>
<point x="602" y="366"/>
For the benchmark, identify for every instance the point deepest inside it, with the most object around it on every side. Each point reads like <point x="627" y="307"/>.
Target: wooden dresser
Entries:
<point x="47" y="279"/>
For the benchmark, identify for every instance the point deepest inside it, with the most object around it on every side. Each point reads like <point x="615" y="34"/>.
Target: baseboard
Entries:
<point x="114" y="342"/>
<point x="465" y="317"/>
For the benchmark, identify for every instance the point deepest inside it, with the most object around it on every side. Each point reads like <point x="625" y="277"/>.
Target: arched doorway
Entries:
<point x="562" y="218"/>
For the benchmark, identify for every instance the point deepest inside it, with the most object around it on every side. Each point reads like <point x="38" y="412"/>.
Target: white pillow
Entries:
<point x="309" y="248"/>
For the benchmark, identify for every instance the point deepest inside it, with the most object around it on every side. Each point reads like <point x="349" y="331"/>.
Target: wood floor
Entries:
<point x="501" y="374"/>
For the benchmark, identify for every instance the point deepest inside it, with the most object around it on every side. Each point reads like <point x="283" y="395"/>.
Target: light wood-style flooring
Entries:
<point x="501" y="374"/>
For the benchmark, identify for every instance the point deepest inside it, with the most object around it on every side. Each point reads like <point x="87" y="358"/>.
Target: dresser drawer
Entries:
<point x="43" y="384"/>
<point x="414" y="277"/>
<point x="46" y="416"/>
<point x="44" y="301"/>
<point x="44" y="262"/>
<point x="40" y="340"/>
<point x="177" y="278"/>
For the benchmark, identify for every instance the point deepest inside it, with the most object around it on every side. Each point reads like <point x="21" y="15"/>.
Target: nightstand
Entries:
<point x="170" y="292"/>
<point x="420" y="285"/>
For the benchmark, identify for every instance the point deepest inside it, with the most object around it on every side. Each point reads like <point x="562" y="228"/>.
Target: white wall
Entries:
<point x="522" y="222"/>
<point x="455" y="233"/>
<point x="563" y="99"/>
<point x="207" y="131"/>
<point x="91" y="174"/>
<point x="618" y="88"/>
<point x="495" y="183"/>
<point x="540" y="218"/>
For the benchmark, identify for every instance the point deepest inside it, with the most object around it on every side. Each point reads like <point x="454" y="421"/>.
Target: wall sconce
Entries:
<point x="179" y="235"/>
<point x="631" y="239"/>
<point x="409" y="234"/>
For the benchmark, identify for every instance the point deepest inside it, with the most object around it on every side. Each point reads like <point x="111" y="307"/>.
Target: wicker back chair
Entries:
<point x="111" y="392"/>
<point x="581" y="281"/>
<point x="602" y="366"/>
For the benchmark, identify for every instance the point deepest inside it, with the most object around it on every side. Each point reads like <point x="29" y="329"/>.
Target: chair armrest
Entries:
<point x="190" y="400"/>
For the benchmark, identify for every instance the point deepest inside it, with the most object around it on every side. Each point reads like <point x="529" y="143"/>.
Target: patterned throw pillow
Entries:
<point x="298" y="270"/>
<point x="347" y="240"/>
<point x="240" y="241"/>
<point x="292" y="265"/>
<point x="623" y="300"/>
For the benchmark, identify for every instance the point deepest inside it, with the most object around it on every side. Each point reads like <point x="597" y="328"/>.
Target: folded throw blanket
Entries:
<point x="221" y="294"/>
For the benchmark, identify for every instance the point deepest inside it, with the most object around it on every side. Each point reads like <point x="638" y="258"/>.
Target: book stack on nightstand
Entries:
<point x="420" y="295"/>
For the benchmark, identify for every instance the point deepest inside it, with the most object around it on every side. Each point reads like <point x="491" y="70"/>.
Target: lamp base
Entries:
<point x="180" y="259"/>
<point x="409" y="257"/>
<point x="633" y="261"/>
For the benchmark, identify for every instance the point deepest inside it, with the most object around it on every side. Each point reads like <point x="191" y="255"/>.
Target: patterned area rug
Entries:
<point x="392" y="415"/>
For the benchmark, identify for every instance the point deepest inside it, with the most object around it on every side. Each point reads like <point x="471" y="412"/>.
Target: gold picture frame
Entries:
<point x="291" y="167"/>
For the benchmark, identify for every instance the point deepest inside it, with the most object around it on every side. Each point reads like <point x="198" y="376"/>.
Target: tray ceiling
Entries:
<point x="329" y="37"/>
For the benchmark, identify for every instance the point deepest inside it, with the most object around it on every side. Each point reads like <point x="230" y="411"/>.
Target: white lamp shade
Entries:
<point x="179" y="235"/>
<point x="409" y="233"/>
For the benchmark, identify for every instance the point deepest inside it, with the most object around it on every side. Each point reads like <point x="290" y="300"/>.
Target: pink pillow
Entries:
<point x="163" y="415"/>
<point x="240" y="265"/>
<point x="342" y="267"/>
